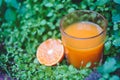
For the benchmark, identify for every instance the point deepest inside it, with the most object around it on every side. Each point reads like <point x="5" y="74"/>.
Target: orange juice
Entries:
<point x="84" y="48"/>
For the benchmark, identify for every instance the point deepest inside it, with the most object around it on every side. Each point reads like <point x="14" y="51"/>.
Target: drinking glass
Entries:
<point x="79" y="51"/>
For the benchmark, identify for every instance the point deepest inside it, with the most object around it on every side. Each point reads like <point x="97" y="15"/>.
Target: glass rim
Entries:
<point x="62" y="31"/>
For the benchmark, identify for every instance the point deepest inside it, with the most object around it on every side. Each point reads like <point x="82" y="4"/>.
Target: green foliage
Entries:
<point x="0" y="3"/>
<point x="114" y="78"/>
<point x="25" y="24"/>
<point x="117" y="1"/>
<point x="88" y="64"/>
<point x="107" y="45"/>
<point x="12" y="3"/>
<point x="108" y="67"/>
<point x="10" y="13"/>
<point x="116" y="42"/>
<point x="102" y="2"/>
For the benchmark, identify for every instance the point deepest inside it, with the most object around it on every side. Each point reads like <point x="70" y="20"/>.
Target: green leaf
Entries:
<point x="71" y="10"/>
<point x="108" y="69"/>
<point x="106" y="76"/>
<point x="102" y="2"/>
<point x="49" y="33"/>
<point x="83" y="71"/>
<point x="107" y="45"/>
<point x="7" y="1"/>
<point x="114" y="77"/>
<point x="71" y="68"/>
<point x="88" y="64"/>
<point x="116" y="42"/>
<point x="52" y="27"/>
<point x="118" y="64"/>
<point x="35" y="0"/>
<point x="60" y="6"/>
<point x="117" y="1"/>
<point x="48" y="4"/>
<point x="13" y="3"/>
<point x="50" y="14"/>
<point x="83" y="6"/>
<point x="41" y="31"/>
<point x="36" y="61"/>
<point x="23" y="76"/>
<point x="102" y="78"/>
<point x="117" y="7"/>
<point x="10" y="15"/>
<point x="0" y="3"/>
<point x="43" y="22"/>
<point x="116" y="17"/>
<point x="115" y="27"/>
<point x="44" y="37"/>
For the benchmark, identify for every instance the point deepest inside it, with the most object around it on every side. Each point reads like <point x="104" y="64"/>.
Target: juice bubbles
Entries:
<point x="83" y="35"/>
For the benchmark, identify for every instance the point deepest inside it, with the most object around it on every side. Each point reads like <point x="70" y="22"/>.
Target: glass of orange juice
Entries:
<point x="83" y="35"/>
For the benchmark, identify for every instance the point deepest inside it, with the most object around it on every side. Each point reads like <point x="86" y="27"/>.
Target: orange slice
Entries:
<point x="50" y="52"/>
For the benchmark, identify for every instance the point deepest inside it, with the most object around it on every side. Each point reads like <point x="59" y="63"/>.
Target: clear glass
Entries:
<point x="78" y="54"/>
